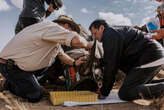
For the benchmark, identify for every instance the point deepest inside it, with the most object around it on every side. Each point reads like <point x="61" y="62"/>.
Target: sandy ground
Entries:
<point x="45" y="106"/>
<point x="20" y="104"/>
<point x="10" y="102"/>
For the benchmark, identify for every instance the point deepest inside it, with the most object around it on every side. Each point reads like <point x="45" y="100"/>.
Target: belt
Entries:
<point x="9" y="63"/>
<point x="3" y="61"/>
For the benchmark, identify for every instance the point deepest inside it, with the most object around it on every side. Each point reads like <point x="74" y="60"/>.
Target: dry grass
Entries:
<point x="1" y="82"/>
<point x="11" y="102"/>
<point x="158" y="103"/>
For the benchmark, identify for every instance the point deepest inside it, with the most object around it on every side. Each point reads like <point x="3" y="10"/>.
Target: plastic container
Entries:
<point x="153" y="24"/>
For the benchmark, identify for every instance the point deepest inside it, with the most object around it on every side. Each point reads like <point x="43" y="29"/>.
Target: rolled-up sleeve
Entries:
<point x="61" y="51"/>
<point x="58" y="34"/>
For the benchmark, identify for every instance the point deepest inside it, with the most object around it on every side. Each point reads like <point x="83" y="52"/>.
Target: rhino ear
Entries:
<point x="92" y="52"/>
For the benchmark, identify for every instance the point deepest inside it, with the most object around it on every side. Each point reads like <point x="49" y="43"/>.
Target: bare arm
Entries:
<point x="159" y="34"/>
<point x="68" y="60"/>
<point x="80" y="42"/>
<point x="58" y="34"/>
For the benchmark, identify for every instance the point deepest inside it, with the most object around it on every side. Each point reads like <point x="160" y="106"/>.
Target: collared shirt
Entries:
<point x="36" y="46"/>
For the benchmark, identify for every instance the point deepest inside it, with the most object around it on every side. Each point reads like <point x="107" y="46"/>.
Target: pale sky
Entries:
<point x="116" y="12"/>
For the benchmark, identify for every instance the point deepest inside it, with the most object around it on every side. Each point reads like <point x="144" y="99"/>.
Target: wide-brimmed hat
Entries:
<point x="69" y="20"/>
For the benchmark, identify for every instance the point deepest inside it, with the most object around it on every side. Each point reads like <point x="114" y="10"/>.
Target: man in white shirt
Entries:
<point x="35" y="48"/>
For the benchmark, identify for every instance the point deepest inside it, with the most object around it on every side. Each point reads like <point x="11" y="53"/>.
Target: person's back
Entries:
<point x="132" y="45"/>
<point x="33" y="9"/>
<point x="129" y="49"/>
<point x="34" y="12"/>
<point x="39" y="43"/>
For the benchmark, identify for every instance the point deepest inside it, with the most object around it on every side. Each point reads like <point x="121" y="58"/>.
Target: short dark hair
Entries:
<point x="97" y="23"/>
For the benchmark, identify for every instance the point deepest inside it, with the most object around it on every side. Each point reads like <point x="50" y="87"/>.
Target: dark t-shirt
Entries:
<point x="34" y="8"/>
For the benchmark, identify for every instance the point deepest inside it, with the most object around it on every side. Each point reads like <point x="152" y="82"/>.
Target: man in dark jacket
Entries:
<point x="34" y="12"/>
<point x="135" y="54"/>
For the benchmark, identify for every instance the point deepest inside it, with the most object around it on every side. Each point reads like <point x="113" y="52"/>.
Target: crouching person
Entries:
<point x="36" y="48"/>
<point x="136" y="55"/>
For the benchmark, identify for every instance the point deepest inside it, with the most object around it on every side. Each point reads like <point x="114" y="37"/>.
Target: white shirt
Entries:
<point x="36" y="46"/>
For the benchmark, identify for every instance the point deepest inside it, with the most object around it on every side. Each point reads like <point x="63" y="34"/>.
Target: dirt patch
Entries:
<point x="45" y="104"/>
<point x="11" y="102"/>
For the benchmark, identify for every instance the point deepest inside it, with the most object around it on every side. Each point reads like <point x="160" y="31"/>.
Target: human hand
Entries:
<point x="81" y="60"/>
<point x="159" y="34"/>
<point x="89" y="45"/>
<point x="50" y="8"/>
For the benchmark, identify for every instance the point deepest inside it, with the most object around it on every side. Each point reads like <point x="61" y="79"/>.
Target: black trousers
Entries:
<point x="21" y="83"/>
<point x="24" y="22"/>
<point x="51" y="73"/>
<point x="138" y="84"/>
